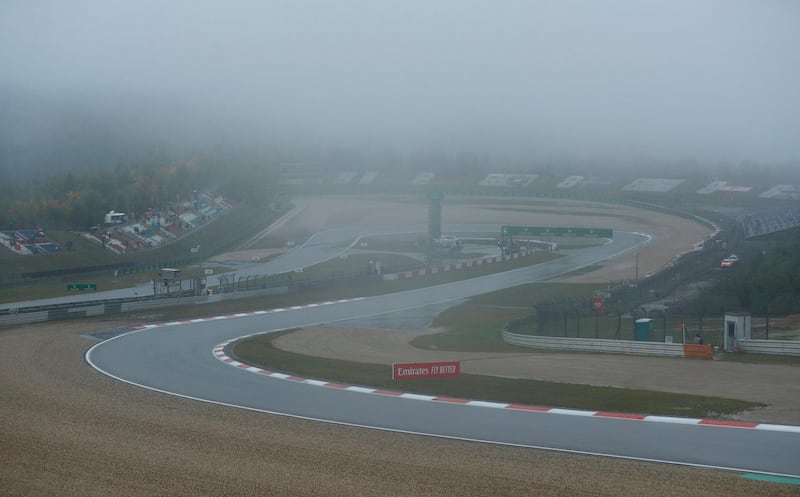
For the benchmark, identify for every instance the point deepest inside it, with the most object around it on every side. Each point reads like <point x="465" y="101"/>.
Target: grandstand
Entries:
<point x="110" y="240"/>
<point x="423" y="179"/>
<point x="345" y="178"/>
<point x="156" y="227"/>
<point x="509" y="180"/>
<point x="782" y="192"/>
<point x="723" y="187"/>
<point x="144" y="234"/>
<point x="588" y="183"/>
<point x="660" y="185"/>
<point x="28" y="242"/>
<point x="570" y="182"/>
<point x="766" y="221"/>
<point x="368" y="178"/>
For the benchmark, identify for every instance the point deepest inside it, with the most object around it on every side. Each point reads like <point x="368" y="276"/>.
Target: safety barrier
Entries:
<point x="698" y="351"/>
<point x="96" y="308"/>
<point x="596" y="345"/>
<point x="775" y="347"/>
<point x="29" y="317"/>
<point x="454" y="267"/>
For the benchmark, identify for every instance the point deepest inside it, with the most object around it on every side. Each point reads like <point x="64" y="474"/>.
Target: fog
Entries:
<point x="630" y="82"/>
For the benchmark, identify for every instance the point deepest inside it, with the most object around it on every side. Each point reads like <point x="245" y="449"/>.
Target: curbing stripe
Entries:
<point x="483" y="403"/>
<point x="522" y="407"/>
<point x="360" y="389"/>
<point x="771" y="427"/>
<point x="241" y="315"/>
<point x="733" y="424"/>
<point x="391" y="393"/>
<point x="453" y="267"/>
<point x="451" y="400"/>
<point x="417" y="396"/>
<point x="619" y="415"/>
<point x="572" y="412"/>
<point x="666" y="419"/>
<point x="219" y="352"/>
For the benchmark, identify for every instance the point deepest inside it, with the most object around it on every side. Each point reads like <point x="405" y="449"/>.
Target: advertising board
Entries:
<point x="413" y="370"/>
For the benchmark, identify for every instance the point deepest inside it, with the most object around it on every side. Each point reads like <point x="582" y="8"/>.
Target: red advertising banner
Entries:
<point x="410" y="370"/>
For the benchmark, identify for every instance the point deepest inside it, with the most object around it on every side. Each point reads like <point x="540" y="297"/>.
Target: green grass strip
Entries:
<point x="260" y="350"/>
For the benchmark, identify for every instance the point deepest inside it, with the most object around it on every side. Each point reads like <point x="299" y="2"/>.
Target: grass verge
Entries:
<point x="259" y="350"/>
<point x="475" y="326"/>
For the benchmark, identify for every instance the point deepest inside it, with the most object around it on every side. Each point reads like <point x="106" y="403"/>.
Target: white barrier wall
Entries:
<point x="776" y="347"/>
<point x="596" y="345"/>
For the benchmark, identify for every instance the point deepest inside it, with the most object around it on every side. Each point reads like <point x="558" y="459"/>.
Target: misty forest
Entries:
<point x="138" y="107"/>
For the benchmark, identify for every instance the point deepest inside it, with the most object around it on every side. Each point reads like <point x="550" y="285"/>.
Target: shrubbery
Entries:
<point x="763" y="282"/>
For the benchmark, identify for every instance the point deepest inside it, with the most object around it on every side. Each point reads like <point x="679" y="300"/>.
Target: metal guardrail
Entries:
<point x="37" y="314"/>
<point x="230" y="290"/>
<point x="596" y="345"/>
<point x="30" y="317"/>
<point x="774" y="347"/>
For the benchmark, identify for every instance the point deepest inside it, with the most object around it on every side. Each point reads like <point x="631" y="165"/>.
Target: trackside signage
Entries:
<point x="409" y="370"/>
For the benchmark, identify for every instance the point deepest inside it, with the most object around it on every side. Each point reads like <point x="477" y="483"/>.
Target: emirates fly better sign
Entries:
<point x="409" y="370"/>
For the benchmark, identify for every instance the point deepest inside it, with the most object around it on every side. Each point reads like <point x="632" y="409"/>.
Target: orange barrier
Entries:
<point x="696" y="350"/>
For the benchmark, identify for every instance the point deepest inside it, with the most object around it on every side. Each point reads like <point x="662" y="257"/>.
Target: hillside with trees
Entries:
<point x="765" y="282"/>
<point x="71" y="200"/>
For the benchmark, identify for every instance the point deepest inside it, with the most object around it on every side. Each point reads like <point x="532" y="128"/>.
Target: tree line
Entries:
<point x="70" y="200"/>
<point x="766" y="282"/>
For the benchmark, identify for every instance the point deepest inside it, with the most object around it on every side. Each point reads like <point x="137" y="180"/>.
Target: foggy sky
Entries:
<point x="707" y="80"/>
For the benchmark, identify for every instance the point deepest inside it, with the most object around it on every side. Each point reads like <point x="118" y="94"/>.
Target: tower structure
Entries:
<point x="434" y="215"/>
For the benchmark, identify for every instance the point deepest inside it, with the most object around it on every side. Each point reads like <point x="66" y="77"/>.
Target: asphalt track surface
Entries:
<point x="178" y="360"/>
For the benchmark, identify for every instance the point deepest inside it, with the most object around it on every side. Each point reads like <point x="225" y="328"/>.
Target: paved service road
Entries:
<point x="178" y="360"/>
<point x="320" y="247"/>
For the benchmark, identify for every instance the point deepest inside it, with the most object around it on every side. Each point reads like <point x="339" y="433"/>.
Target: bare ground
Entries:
<point x="67" y="430"/>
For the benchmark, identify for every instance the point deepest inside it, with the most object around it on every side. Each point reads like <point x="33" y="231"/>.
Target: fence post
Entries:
<point x="683" y="327"/>
<point x="596" y="325"/>
<point x="539" y="319"/>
